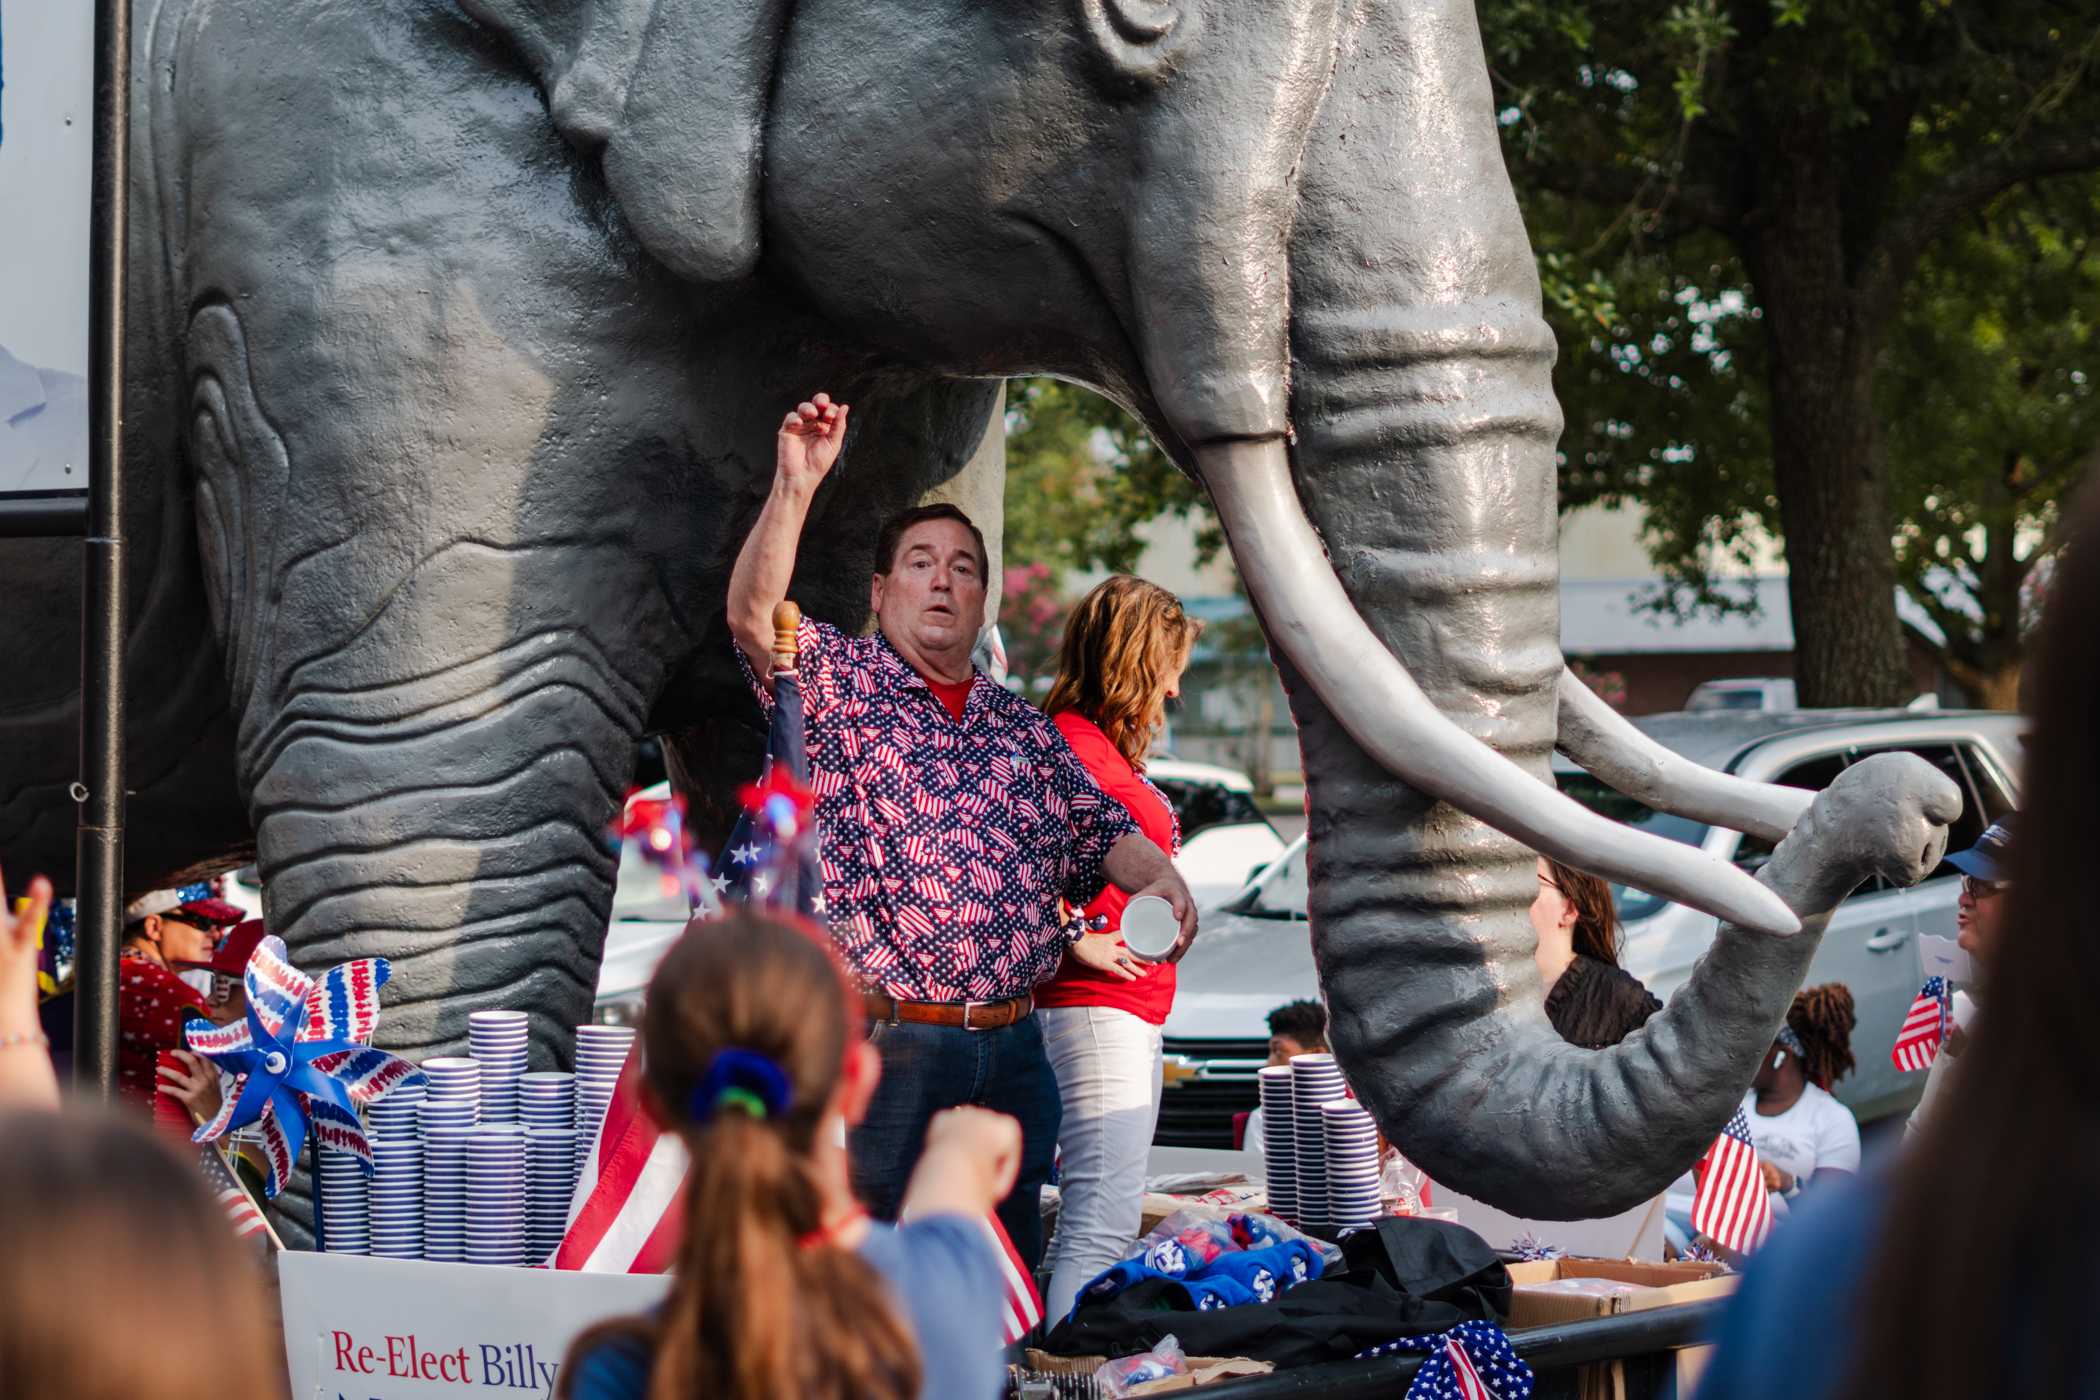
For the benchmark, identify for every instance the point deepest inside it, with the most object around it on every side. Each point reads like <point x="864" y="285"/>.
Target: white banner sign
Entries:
<point x="46" y="168"/>
<point x="389" y="1329"/>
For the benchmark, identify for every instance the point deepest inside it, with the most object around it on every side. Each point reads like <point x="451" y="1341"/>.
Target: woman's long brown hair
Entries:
<point x="1123" y="643"/>
<point x="1978" y="1285"/>
<point x="1597" y="932"/>
<point x="756" y="1312"/>
<point x="121" y="1279"/>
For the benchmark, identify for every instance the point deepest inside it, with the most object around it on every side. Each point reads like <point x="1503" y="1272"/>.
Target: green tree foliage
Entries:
<point x="1081" y="476"/>
<point x="1766" y="228"/>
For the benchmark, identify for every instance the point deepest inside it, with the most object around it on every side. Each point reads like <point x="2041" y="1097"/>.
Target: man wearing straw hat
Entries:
<point x="953" y="821"/>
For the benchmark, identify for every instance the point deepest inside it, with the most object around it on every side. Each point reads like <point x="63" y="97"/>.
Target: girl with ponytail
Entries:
<point x="753" y="1054"/>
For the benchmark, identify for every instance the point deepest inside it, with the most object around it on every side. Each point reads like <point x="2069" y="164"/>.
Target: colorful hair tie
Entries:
<point x="743" y="1080"/>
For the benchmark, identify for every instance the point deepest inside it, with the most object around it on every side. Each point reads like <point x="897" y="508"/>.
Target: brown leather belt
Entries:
<point x="969" y="1015"/>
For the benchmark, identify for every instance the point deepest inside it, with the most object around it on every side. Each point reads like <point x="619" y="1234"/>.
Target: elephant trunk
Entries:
<point x="1424" y="430"/>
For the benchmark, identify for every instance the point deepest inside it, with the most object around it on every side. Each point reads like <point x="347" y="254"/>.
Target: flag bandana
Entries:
<point x="1924" y="1026"/>
<point x="1473" y="1361"/>
<point x="1730" y="1205"/>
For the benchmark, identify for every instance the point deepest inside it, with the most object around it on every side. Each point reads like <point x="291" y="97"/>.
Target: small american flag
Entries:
<point x="1924" y="1027"/>
<point x="1730" y="1205"/>
<point x="227" y="1190"/>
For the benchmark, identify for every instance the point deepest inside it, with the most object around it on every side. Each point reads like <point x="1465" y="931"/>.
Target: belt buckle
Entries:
<point x="968" y="1008"/>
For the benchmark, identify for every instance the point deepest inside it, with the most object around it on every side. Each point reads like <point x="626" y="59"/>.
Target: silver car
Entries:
<point x="1256" y="953"/>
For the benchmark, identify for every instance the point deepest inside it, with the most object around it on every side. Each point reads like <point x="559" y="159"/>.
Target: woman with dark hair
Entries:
<point x="1803" y="1135"/>
<point x="1967" y="1275"/>
<point x="1590" y="999"/>
<point x="754" y="1054"/>
<point x="1126" y="645"/>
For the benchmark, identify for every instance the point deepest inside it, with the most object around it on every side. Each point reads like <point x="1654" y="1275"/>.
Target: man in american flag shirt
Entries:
<point x="953" y="821"/>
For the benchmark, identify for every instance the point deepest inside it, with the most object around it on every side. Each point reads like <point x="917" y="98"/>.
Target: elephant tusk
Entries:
<point x="1602" y="741"/>
<point x="1310" y="616"/>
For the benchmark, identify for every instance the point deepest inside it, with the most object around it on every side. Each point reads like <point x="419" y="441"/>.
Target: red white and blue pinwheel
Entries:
<point x="298" y="1059"/>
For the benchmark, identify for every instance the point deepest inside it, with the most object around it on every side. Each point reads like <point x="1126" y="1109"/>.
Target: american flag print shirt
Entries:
<point x="945" y="847"/>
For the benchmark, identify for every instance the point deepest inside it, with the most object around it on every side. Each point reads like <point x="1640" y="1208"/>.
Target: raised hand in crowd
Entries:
<point x="804" y="450"/>
<point x="809" y="441"/>
<point x="971" y="1159"/>
<point x="27" y="1079"/>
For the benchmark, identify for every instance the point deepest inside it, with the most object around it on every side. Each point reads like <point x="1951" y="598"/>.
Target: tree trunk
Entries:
<point x="1826" y="442"/>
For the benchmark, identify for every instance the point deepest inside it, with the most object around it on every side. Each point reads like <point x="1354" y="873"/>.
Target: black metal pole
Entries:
<point x="99" y="841"/>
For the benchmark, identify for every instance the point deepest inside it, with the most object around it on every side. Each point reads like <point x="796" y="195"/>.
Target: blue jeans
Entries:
<point x="928" y="1068"/>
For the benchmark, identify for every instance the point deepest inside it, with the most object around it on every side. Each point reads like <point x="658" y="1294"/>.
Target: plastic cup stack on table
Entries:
<point x="396" y="1113"/>
<point x="547" y="1111"/>
<point x="1316" y="1080"/>
<point x="496" y="1195"/>
<point x="444" y="1188"/>
<point x="397" y="1197"/>
<point x="550" y="1182"/>
<point x="346" y="1212"/>
<point x="1352" y="1165"/>
<point x="455" y="1080"/>
<point x="1279" y="1144"/>
<point x="600" y="1052"/>
<point x="500" y="1040"/>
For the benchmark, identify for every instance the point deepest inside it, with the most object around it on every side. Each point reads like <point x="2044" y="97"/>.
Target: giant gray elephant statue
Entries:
<point x="460" y="333"/>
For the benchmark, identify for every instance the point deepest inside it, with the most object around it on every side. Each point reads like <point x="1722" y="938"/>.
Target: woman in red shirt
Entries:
<point x="1126" y="645"/>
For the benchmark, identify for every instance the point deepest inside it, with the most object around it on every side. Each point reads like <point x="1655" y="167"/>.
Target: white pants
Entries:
<point x="1108" y="1072"/>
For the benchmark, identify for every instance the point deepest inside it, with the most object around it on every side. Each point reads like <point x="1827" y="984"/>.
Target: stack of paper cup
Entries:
<point x="1352" y="1165"/>
<point x="500" y="1040"/>
<point x="445" y="1190"/>
<point x="395" y="1114"/>
<point x="397" y="1197"/>
<point x="1316" y="1080"/>
<point x="496" y="1195"/>
<point x="548" y="1100"/>
<point x="1279" y="1144"/>
<point x="550" y="1182"/>
<point x="600" y="1052"/>
<point x="346" y="1209"/>
<point x="454" y="1080"/>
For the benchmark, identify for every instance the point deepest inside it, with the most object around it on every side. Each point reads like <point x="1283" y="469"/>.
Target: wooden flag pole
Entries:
<point x="787" y="622"/>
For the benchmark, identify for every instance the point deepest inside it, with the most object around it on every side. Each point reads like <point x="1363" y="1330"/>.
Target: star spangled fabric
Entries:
<point x="296" y="1063"/>
<point x="770" y="858"/>
<point x="1473" y="1361"/>
<point x="1730" y="1205"/>
<point x="1924" y="1026"/>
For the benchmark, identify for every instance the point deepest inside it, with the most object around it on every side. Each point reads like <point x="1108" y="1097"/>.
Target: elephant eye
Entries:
<point x="1139" y="41"/>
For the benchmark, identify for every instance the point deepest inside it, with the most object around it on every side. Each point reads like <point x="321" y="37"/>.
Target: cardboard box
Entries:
<point x="1655" y="1286"/>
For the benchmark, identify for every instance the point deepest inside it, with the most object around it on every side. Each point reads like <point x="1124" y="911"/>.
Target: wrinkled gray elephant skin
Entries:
<point x="460" y="333"/>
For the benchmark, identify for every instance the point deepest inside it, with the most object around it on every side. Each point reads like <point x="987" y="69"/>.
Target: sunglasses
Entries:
<point x="1982" y="889"/>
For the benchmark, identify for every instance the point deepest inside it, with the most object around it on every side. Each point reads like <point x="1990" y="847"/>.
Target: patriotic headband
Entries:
<point x="1791" y="1040"/>
<point x="166" y="901"/>
<point x="743" y="1080"/>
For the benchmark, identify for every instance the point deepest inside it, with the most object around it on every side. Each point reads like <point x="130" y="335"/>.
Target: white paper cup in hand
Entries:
<point x="1150" y="929"/>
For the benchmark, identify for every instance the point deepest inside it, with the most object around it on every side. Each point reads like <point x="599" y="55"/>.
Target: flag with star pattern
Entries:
<point x="770" y="859"/>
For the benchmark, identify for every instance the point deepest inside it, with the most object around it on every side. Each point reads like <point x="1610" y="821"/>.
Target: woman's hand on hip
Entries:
<point x="1106" y="953"/>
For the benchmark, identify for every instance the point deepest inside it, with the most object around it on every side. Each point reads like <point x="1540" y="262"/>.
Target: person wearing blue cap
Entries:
<point x="1978" y="917"/>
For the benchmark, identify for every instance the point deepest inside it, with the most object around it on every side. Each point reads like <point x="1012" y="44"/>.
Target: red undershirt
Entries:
<point x="955" y="695"/>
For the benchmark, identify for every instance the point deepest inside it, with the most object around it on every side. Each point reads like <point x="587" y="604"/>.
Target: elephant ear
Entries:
<point x="672" y="96"/>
